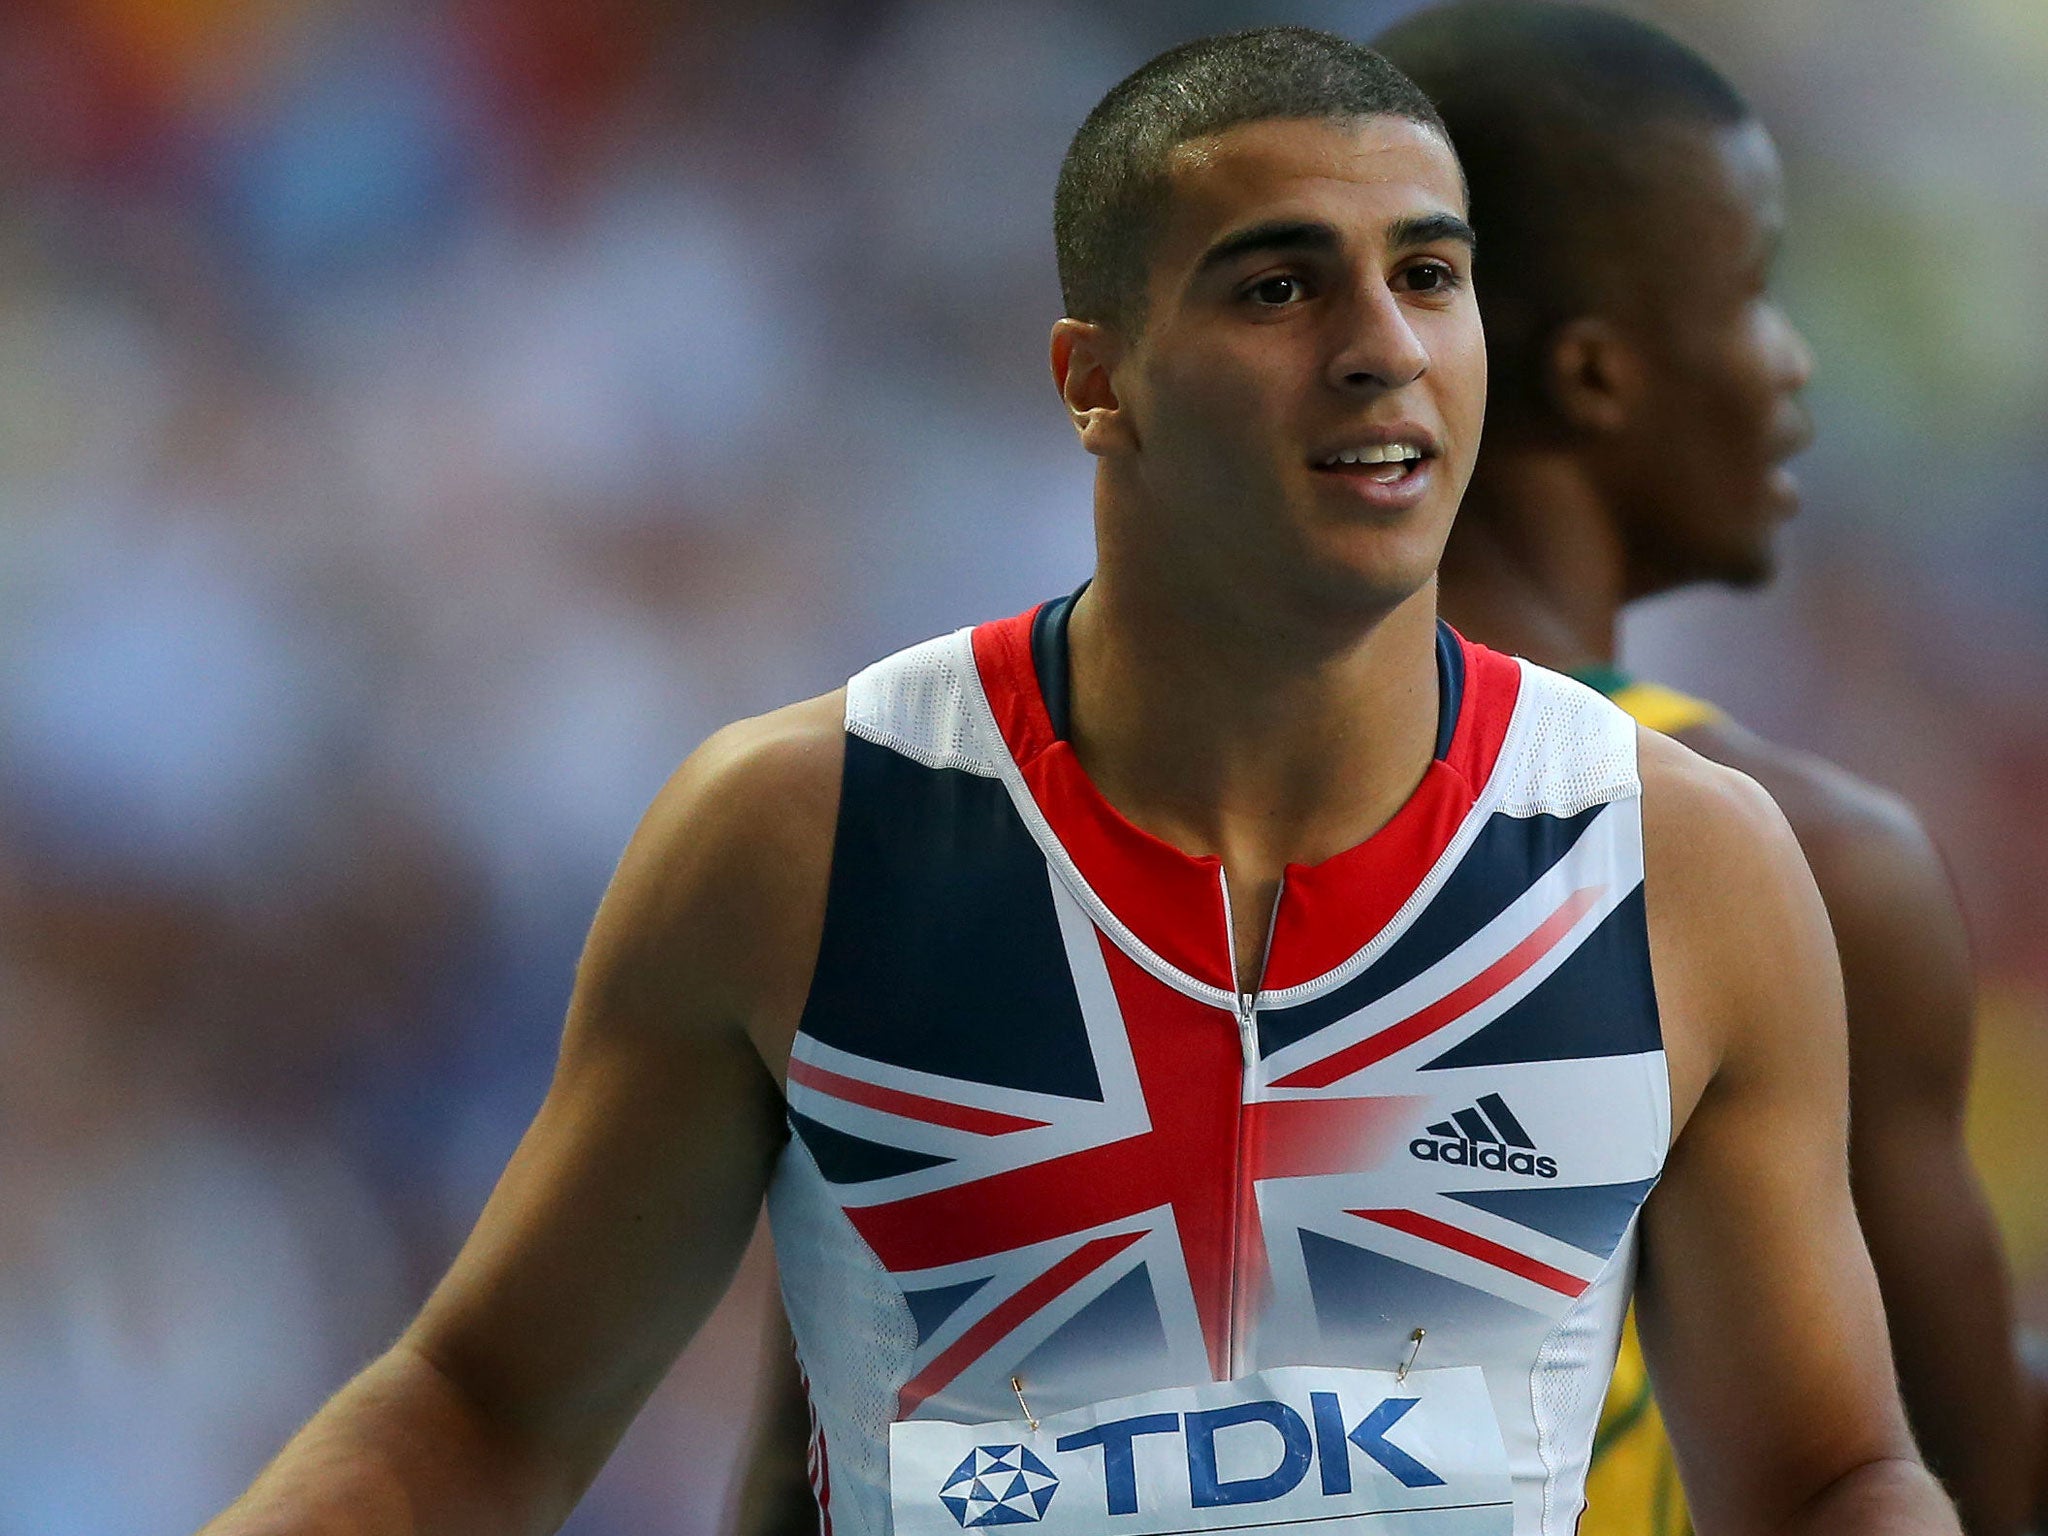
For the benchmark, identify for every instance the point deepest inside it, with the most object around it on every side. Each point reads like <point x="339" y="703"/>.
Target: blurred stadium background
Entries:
<point x="421" y="422"/>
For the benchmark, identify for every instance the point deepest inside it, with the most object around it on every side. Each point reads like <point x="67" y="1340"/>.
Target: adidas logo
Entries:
<point x="1485" y="1136"/>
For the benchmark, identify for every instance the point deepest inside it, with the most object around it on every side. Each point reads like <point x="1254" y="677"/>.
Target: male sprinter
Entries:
<point x="1227" y="1025"/>
<point x="1644" y="401"/>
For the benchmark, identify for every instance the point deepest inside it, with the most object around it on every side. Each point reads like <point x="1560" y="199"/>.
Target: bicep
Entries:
<point x="1758" y="1308"/>
<point x="621" y="1217"/>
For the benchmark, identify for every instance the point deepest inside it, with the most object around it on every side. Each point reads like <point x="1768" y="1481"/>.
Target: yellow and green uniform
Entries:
<point x="1632" y="1489"/>
<point x="1652" y="704"/>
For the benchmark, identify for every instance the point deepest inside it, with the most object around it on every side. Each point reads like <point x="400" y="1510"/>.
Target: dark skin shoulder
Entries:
<point x="1907" y="978"/>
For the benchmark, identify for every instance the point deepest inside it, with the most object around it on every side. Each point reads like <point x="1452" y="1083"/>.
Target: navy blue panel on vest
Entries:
<point x="1505" y="859"/>
<point x="941" y="947"/>
<point x="1588" y="1216"/>
<point x="1372" y="1302"/>
<point x="848" y="1159"/>
<point x="1599" y="1002"/>
<point x="1122" y="1324"/>
<point x="930" y="1308"/>
<point x="1049" y="659"/>
<point x="1450" y="686"/>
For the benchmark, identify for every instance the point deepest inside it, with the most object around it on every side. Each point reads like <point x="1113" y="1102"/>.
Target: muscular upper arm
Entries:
<point x="621" y="1216"/>
<point x="1758" y="1307"/>
<point x="1940" y="1266"/>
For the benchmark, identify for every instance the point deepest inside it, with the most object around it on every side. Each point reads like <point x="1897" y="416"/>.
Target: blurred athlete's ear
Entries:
<point x="1083" y="356"/>
<point x="1593" y="375"/>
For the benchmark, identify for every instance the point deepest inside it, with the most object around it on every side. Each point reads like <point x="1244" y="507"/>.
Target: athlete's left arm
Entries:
<point x="1758" y="1309"/>
<point x="1935" y="1246"/>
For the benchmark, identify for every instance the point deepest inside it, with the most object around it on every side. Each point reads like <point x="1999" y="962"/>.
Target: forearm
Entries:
<point x="1892" y="1497"/>
<point x="401" y="1451"/>
<point x="1942" y="1273"/>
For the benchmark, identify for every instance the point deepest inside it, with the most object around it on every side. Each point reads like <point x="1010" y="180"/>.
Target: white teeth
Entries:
<point x="1389" y="453"/>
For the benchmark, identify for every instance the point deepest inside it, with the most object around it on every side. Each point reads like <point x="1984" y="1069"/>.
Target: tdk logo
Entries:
<point x="1294" y="1448"/>
<point x="1322" y="1441"/>
<point x="1485" y="1136"/>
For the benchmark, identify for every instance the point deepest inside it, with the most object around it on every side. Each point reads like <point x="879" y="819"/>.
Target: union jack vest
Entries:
<point x="1073" y="1234"/>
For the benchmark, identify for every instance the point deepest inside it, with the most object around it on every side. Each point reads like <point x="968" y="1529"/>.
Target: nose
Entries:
<point x="1377" y="349"/>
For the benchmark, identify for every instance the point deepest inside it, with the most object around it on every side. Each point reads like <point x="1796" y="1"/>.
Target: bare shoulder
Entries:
<point x="1714" y="839"/>
<point x="722" y="889"/>
<point x="773" y="774"/>
<point x="1733" y="912"/>
<point x="1864" y="842"/>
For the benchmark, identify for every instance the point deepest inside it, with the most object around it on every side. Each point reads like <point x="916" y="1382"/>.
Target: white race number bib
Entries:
<point x="1274" y="1452"/>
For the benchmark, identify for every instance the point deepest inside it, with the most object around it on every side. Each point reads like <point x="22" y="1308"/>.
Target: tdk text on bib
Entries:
<point x="1271" y="1452"/>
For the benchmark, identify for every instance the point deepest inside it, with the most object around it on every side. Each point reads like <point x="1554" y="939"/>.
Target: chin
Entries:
<point x="1741" y="570"/>
<point x="1752" y="570"/>
<point x="1738" y="554"/>
<point x="1382" y="565"/>
<point x="1352" y="591"/>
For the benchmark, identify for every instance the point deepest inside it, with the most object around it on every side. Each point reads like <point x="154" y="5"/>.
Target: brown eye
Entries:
<point x="1275" y="291"/>
<point x="1430" y="277"/>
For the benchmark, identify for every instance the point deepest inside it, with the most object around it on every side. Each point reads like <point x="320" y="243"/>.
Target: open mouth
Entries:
<point x="1389" y="464"/>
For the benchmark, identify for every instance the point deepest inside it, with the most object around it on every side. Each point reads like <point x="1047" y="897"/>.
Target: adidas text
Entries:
<point x="1475" y="1155"/>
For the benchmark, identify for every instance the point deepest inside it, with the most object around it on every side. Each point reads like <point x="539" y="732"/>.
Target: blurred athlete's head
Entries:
<point x="1271" y="343"/>
<point x="1630" y="203"/>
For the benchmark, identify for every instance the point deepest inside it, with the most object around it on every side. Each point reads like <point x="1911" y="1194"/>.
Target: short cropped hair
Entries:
<point x="1550" y="108"/>
<point x="1112" y="194"/>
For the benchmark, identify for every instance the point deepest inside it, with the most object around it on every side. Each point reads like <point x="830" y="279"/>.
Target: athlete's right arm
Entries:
<point x="621" y="1217"/>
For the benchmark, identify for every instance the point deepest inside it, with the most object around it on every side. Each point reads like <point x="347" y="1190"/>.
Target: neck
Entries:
<point x="1535" y="563"/>
<point x="1225" y="730"/>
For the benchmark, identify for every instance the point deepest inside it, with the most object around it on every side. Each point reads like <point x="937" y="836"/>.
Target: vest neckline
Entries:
<point x="1173" y="900"/>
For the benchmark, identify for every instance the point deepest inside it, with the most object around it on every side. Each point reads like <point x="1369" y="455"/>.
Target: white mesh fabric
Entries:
<point x="854" y="1335"/>
<point x="926" y="702"/>
<point x="1567" y="1388"/>
<point x="1569" y="749"/>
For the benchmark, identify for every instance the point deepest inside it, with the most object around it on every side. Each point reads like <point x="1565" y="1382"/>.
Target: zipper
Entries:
<point x="1248" y="1001"/>
<point x="1243" y="1196"/>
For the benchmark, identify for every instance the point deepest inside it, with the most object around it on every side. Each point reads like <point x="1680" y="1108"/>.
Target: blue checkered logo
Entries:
<point x="999" y="1485"/>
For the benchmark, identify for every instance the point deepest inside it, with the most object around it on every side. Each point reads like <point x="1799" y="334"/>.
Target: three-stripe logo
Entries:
<point x="1486" y="1135"/>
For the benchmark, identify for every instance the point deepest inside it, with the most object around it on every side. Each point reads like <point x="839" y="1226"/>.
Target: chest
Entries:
<point x="1083" y="1169"/>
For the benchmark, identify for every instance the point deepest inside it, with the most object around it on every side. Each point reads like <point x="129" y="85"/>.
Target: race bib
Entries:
<point x="1278" y="1451"/>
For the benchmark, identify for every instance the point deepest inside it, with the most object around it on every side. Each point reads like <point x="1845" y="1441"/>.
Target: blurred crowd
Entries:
<point x="423" y="421"/>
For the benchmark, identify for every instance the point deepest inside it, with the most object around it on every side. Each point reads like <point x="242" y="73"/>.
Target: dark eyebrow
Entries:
<point x="1313" y="235"/>
<point x="1427" y="229"/>
<point x="1274" y="235"/>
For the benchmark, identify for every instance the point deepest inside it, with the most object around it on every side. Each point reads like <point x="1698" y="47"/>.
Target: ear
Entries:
<point x="1084" y="355"/>
<point x="1594" y="375"/>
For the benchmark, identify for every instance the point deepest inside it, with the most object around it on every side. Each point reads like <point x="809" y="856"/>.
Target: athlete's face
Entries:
<point x="1309" y="306"/>
<point x="1723" y="371"/>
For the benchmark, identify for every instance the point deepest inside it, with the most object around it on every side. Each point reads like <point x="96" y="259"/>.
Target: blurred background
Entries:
<point x="422" y="422"/>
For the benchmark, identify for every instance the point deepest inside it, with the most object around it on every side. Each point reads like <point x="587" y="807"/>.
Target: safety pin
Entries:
<point x="1400" y="1375"/>
<point x="1017" y="1386"/>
